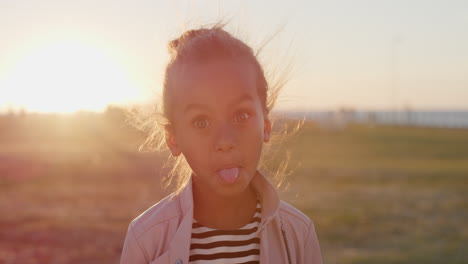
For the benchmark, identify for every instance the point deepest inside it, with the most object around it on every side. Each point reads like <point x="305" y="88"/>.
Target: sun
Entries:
<point x="68" y="76"/>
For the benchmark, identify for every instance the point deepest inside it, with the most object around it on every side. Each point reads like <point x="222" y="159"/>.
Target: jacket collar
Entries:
<point x="268" y="196"/>
<point x="186" y="198"/>
<point x="266" y="192"/>
<point x="180" y="245"/>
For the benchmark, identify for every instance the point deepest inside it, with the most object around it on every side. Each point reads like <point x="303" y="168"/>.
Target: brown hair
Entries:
<point x="199" y="46"/>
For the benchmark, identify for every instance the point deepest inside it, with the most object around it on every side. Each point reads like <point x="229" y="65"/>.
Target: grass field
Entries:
<point x="386" y="194"/>
<point x="376" y="194"/>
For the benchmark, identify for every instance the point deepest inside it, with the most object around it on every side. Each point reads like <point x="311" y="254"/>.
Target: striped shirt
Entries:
<point x="213" y="246"/>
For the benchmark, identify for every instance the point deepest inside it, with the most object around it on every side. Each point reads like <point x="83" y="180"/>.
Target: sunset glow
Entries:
<point x="65" y="77"/>
<point x="64" y="56"/>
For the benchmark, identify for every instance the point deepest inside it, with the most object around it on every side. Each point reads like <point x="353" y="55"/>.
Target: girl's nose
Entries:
<point x="225" y="140"/>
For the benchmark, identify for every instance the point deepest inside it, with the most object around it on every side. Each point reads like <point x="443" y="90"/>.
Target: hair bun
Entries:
<point x="187" y="37"/>
<point x="172" y="46"/>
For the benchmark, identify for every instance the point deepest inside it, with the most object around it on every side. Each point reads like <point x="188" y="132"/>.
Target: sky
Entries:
<point x="64" y="56"/>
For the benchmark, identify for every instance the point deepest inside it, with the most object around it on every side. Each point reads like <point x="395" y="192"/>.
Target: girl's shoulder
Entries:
<point x="165" y="210"/>
<point x="294" y="216"/>
<point x="300" y="230"/>
<point x="149" y="234"/>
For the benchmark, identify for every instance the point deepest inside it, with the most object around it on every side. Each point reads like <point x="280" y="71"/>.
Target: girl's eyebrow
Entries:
<point x="245" y="97"/>
<point x="190" y="107"/>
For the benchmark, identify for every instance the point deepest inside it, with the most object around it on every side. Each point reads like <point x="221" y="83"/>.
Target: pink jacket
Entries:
<point x="162" y="233"/>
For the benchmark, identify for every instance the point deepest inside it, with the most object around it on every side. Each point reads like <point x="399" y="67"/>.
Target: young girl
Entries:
<point x="216" y="109"/>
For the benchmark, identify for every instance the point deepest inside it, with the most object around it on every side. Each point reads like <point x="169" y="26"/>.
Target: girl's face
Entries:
<point x="218" y="124"/>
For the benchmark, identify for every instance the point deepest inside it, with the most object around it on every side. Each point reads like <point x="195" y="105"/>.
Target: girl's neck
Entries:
<point x="224" y="212"/>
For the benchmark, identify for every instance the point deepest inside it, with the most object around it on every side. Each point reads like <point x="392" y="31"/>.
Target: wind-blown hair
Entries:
<point x="194" y="47"/>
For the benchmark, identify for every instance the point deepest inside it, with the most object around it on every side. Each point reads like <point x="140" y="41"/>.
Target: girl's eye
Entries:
<point x="201" y="123"/>
<point x="242" y="117"/>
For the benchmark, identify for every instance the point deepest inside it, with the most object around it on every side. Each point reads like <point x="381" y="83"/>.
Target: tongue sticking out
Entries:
<point x="229" y="175"/>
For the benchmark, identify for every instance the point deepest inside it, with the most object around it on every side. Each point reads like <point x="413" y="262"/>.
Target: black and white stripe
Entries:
<point x="213" y="246"/>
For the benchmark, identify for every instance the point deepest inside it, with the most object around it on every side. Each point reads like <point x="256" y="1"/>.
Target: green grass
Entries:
<point x="377" y="194"/>
<point x="384" y="194"/>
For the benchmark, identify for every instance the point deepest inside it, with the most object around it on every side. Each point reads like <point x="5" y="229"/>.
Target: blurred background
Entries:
<point x="380" y="164"/>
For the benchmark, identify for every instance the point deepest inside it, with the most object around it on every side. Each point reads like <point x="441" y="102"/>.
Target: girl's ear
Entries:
<point x="266" y="130"/>
<point x="171" y="141"/>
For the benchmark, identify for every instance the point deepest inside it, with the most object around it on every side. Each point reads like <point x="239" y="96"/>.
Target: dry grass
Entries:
<point x="385" y="194"/>
<point x="376" y="194"/>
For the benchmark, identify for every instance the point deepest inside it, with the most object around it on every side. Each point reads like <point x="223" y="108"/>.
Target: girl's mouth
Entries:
<point x="229" y="175"/>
